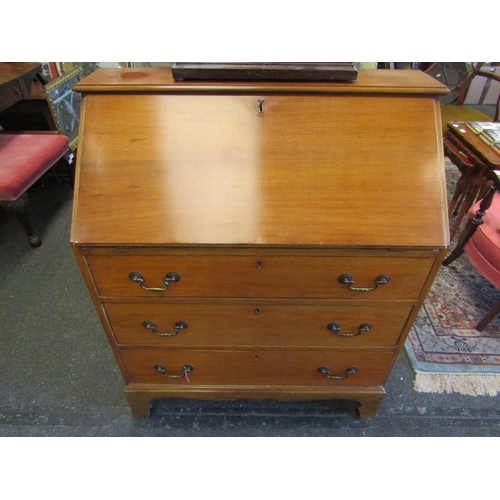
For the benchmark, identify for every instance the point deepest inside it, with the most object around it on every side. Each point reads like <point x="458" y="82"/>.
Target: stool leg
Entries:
<point x="18" y="208"/>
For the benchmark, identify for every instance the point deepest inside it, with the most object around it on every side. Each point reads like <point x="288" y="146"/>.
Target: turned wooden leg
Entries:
<point x="466" y="204"/>
<point x="19" y="209"/>
<point x="458" y="194"/>
<point x="456" y="152"/>
<point x="470" y="228"/>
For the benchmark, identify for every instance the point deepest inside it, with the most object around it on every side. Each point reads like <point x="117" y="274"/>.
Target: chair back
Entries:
<point x="458" y="77"/>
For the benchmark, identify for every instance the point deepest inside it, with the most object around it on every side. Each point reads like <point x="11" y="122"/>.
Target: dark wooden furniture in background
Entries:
<point x="474" y="158"/>
<point x="468" y="164"/>
<point x="458" y="77"/>
<point x="241" y="240"/>
<point x="15" y="82"/>
<point x="32" y="113"/>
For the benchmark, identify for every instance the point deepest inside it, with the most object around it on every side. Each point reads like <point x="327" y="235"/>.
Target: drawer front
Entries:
<point x="266" y="276"/>
<point x="256" y="367"/>
<point x="256" y="323"/>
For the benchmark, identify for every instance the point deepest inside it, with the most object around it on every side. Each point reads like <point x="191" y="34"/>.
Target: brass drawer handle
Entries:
<point x="335" y="328"/>
<point x="185" y="370"/>
<point x="326" y="371"/>
<point x="347" y="279"/>
<point x="169" y="278"/>
<point x="150" y="325"/>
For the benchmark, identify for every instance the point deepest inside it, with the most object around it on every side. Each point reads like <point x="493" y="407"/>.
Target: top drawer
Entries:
<point x="259" y="276"/>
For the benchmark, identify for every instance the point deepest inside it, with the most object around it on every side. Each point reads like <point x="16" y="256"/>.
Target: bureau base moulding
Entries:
<point x="141" y="396"/>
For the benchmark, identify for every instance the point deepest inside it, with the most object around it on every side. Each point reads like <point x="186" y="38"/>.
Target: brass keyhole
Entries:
<point x="261" y="105"/>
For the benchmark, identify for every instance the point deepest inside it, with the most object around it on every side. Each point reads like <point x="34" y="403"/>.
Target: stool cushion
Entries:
<point x="24" y="158"/>
<point x="483" y="248"/>
<point x="450" y="113"/>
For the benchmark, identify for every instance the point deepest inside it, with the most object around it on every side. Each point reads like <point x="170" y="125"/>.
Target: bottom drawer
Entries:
<point x="214" y="367"/>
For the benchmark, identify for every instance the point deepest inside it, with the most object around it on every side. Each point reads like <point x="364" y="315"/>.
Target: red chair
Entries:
<point x="24" y="158"/>
<point x="480" y="239"/>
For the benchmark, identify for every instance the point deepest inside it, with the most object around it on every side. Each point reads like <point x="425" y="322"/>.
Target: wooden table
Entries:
<point x="483" y="158"/>
<point x="485" y="152"/>
<point x="31" y="113"/>
<point x="15" y="82"/>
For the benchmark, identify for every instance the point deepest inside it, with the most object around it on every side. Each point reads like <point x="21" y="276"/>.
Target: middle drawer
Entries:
<point x="256" y="323"/>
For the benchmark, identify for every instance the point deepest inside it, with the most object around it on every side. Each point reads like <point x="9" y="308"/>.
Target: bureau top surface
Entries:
<point x="224" y="168"/>
<point x="161" y="79"/>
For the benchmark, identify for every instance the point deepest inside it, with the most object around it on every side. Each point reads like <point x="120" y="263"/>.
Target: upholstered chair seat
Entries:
<point x="483" y="248"/>
<point x="24" y="158"/>
<point x="480" y="239"/>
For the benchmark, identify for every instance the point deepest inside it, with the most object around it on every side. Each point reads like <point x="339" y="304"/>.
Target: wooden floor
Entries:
<point x="58" y="375"/>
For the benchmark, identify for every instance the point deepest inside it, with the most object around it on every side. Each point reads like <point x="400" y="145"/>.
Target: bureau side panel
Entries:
<point x="89" y="281"/>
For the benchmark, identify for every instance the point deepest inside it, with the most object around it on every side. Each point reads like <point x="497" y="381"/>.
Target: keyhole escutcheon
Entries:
<point x="261" y="105"/>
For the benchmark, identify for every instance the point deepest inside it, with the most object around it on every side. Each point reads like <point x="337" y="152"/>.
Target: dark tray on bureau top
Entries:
<point x="305" y="72"/>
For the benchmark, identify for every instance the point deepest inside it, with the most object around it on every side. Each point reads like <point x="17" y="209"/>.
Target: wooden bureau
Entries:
<point x="258" y="239"/>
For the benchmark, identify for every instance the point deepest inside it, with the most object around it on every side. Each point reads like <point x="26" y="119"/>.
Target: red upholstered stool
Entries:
<point x="24" y="158"/>
<point x="480" y="239"/>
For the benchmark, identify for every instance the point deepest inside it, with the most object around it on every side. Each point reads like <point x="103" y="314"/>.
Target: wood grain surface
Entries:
<point x="276" y="276"/>
<point x="257" y="323"/>
<point x="177" y="170"/>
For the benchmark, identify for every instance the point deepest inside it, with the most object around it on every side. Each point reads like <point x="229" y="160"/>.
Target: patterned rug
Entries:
<point x="446" y="352"/>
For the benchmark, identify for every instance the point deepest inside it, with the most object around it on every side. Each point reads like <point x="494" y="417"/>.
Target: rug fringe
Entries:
<point x="468" y="384"/>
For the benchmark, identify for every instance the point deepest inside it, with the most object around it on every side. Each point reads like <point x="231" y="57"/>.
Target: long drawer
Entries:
<point x="267" y="276"/>
<point x="213" y="367"/>
<point x="185" y="322"/>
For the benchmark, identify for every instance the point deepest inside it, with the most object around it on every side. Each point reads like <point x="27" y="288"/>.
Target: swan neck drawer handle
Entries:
<point x="326" y="372"/>
<point x="335" y="328"/>
<point x="185" y="370"/>
<point x="347" y="279"/>
<point x="169" y="278"/>
<point x="150" y="325"/>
